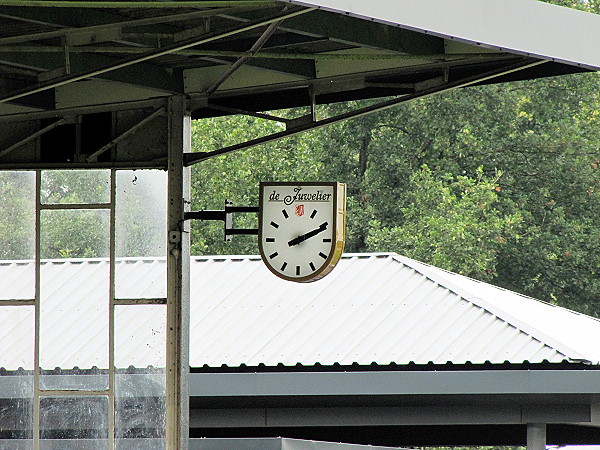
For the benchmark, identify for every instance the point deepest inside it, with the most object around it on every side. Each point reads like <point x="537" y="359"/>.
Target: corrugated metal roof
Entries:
<point x="380" y="308"/>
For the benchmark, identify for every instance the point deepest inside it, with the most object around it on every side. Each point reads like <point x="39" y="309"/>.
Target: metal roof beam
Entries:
<point x="138" y="4"/>
<point x="348" y="30"/>
<point x="293" y="66"/>
<point x="214" y="52"/>
<point x="360" y="33"/>
<point x="51" y="66"/>
<point x="71" y="32"/>
<point x="278" y="40"/>
<point x="193" y="158"/>
<point x="241" y="61"/>
<point x="66" y="79"/>
<point x="94" y="156"/>
<point x="31" y="137"/>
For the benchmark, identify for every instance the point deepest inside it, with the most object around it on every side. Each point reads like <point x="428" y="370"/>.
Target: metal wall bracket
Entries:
<point x="226" y="215"/>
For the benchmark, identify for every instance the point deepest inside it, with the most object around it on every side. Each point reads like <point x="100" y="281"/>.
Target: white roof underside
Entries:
<point x="380" y="308"/>
<point x="524" y="26"/>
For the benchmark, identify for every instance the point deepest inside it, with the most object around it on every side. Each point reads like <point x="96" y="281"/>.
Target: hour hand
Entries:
<point x="308" y="235"/>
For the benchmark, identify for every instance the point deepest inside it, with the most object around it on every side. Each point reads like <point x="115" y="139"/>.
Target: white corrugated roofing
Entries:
<point x="380" y="308"/>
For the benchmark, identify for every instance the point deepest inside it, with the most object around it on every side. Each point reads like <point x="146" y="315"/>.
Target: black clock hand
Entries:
<point x="308" y="235"/>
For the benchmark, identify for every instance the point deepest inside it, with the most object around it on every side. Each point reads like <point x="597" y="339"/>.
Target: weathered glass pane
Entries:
<point x="141" y="234"/>
<point x="17" y="235"/>
<point x="16" y="376"/>
<point x="11" y="444"/>
<point x="83" y="419"/>
<point x="78" y="233"/>
<point x="74" y="314"/>
<point x="140" y="380"/>
<point x="17" y="337"/>
<point x="75" y="186"/>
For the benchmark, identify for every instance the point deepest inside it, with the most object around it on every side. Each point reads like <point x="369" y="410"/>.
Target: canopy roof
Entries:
<point x="86" y="84"/>
<point x="374" y="308"/>
<point x="73" y="54"/>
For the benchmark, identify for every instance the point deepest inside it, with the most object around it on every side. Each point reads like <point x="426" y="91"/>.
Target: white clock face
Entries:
<point x="299" y="229"/>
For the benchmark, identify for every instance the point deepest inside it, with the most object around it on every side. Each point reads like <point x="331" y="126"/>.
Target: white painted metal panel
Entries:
<point x="523" y="26"/>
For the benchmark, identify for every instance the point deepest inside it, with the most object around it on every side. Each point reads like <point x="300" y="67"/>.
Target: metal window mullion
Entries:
<point x="111" y="313"/>
<point x="73" y="393"/>
<point x="17" y="302"/>
<point x="139" y="301"/>
<point x="39" y="393"/>
<point x="68" y="206"/>
<point x="37" y="309"/>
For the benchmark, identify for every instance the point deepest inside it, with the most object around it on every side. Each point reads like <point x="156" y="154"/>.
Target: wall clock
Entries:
<point x="301" y="228"/>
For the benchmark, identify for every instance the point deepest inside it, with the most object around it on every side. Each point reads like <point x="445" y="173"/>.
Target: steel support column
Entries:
<point x="536" y="436"/>
<point x="178" y="283"/>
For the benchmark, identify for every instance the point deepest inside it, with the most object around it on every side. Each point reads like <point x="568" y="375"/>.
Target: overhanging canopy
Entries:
<point x="95" y="74"/>
<point x="504" y="25"/>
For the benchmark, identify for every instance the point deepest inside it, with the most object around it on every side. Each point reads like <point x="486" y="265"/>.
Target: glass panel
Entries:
<point x="75" y="186"/>
<point x="9" y="444"/>
<point x="17" y="235"/>
<point x="74" y="300"/>
<point x="140" y="381"/>
<point x="17" y="337"/>
<point x="79" y="233"/>
<point x="84" y="420"/>
<point x="16" y="376"/>
<point x="141" y="234"/>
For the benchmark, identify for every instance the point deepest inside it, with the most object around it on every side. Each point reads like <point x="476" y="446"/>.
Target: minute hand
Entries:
<point x="308" y="235"/>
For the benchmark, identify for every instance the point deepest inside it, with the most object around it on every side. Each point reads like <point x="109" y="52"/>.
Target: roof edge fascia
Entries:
<point x="477" y="382"/>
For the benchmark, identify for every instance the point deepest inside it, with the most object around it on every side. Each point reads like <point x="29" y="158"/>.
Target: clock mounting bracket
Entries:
<point x="226" y="215"/>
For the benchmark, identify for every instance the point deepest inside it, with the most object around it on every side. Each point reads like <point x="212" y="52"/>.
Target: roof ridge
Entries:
<point x="497" y="311"/>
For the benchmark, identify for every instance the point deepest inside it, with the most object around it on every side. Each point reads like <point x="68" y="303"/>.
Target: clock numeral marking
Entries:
<point x="322" y="255"/>
<point x="275" y="225"/>
<point x="273" y="255"/>
<point x="326" y="239"/>
<point x="312" y="266"/>
<point x="283" y="266"/>
<point x="313" y="214"/>
<point x="270" y="239"/>
<point x="297" y="270"/>
<point x="285" y="214"/>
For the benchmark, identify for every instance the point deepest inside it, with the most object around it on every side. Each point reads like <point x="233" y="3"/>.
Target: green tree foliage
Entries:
<point x="535" y="229"/>
<point x="450" y="222"/>
<point x="584" y="5"/>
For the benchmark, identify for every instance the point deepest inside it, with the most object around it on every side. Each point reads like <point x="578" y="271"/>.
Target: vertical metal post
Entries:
<point x="111" y="312"/>
<point x="178" y="283"/>
<point x="536" y="436"/>
<point x="36" y="350"/>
